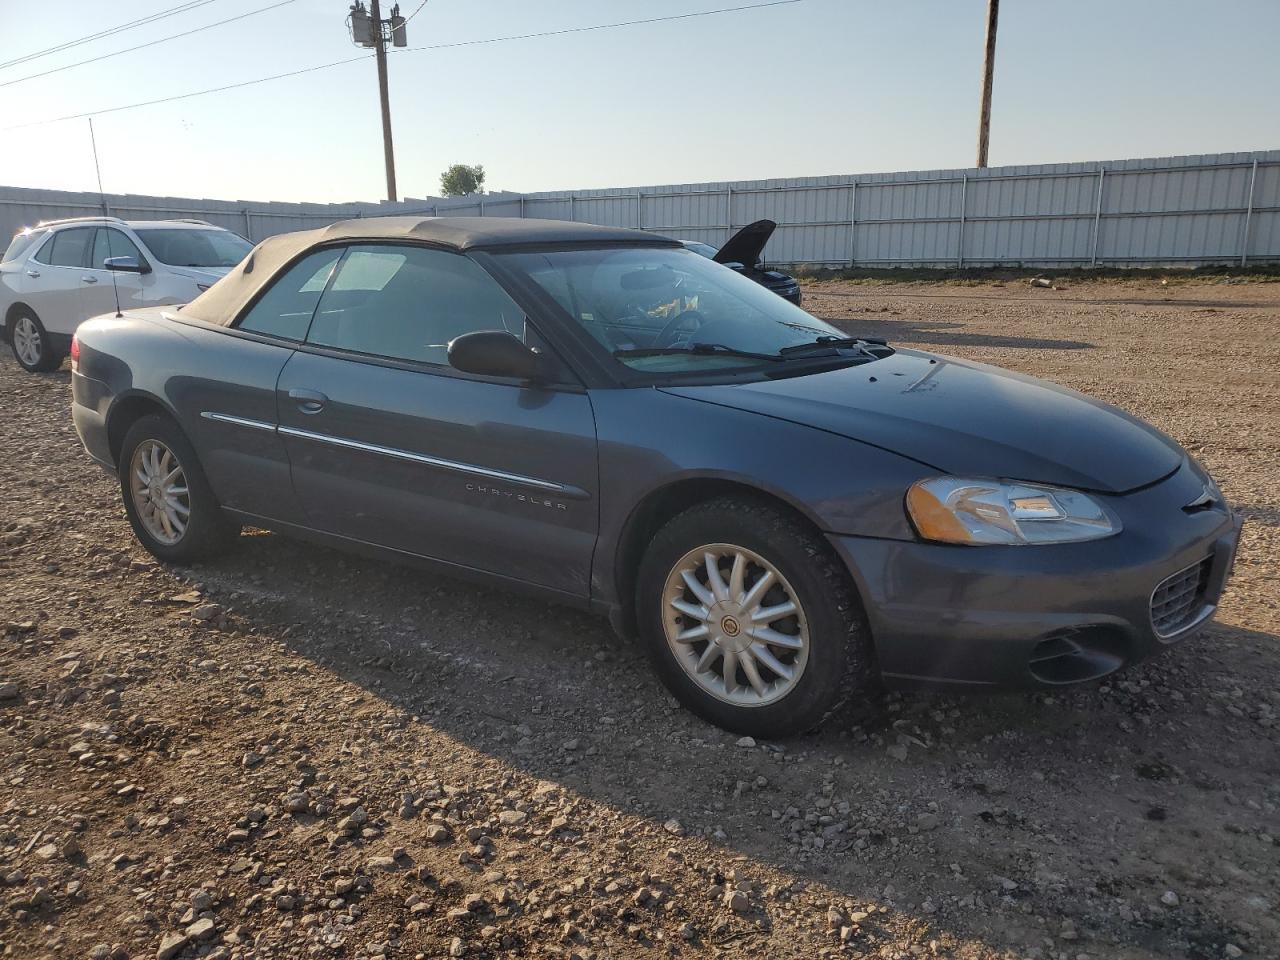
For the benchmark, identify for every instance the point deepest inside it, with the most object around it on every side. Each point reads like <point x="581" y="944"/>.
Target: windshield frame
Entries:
<point x="598" y="363"/>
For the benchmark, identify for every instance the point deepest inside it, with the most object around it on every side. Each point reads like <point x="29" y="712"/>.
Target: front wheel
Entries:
<point x="31" y="346"/>
<point x="750" y="618"/>
<point x="168" y="500"/>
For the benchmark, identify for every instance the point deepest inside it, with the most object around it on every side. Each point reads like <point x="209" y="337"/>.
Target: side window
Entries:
<point x="109" y="242"/>
<point x="407" y="303"/>
<point x="68" y="247"/>
<point x="285" y="309"/>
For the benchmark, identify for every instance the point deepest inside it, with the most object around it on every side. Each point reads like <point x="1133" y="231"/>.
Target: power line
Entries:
<point x="414" y="14"/>
<point x="442" y="46"/>
<point x="149" y="43"/>
<point x="172" y="11"/>
<point x="198" y="93"/>
<point x="600" y="26"/>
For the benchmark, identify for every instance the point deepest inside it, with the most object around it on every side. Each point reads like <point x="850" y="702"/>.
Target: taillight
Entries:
<point x="75" y="352"/>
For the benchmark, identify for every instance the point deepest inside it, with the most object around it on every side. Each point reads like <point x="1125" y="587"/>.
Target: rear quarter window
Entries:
<point x="285" y="309"/>
<point x="21" y="243"/>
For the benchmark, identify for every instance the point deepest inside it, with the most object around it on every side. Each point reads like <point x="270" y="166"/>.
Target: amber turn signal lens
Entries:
<point x="933" y="520"/>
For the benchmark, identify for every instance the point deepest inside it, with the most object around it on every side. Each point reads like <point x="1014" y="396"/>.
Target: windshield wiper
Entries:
<point x="825" y="344"/>
<point x="705" y="349"/>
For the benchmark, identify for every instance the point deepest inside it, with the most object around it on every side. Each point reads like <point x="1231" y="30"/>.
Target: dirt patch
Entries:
<point x="295" y="753"/>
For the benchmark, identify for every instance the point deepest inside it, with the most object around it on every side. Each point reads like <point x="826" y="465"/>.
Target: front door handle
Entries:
<point x="309" y="401"/>
<point x="89" y="279"/>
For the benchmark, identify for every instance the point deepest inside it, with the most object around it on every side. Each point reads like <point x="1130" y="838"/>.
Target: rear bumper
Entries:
<point x="89" y="402"/>
<point x="1038" y="616"/>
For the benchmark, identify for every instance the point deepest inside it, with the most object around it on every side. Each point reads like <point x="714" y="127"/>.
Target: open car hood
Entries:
<point x="747" y="244"/>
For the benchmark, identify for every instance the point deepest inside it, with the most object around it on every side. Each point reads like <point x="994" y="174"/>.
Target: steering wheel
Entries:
<point x="667" y="335"/>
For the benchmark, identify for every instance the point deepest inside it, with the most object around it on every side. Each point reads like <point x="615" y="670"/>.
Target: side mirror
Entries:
<point x="125" y="265"/>
<point x="495" y="353"/>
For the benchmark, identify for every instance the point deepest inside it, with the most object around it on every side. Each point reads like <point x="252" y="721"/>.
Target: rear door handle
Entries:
<point x="33" y="273"/>
<point x="309" y="401"/>
<point x="89" y="279"/>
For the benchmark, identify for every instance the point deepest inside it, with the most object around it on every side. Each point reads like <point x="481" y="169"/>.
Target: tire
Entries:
<point x="30" y="343"/>
<point x="827" y="648"/>
<point x="205" y="530"/>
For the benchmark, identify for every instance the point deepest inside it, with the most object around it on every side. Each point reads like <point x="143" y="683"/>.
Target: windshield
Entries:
<point x="182" y="247"/>
<point x="663" y="309"/>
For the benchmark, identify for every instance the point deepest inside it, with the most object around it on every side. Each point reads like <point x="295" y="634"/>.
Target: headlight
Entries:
<point x="976" y="511"/>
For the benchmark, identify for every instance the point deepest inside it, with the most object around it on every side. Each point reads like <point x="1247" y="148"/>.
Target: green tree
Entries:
<point x="462" y="180"/>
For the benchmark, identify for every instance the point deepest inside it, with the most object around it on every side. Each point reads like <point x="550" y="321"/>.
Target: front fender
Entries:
<point x="650" y="440"/>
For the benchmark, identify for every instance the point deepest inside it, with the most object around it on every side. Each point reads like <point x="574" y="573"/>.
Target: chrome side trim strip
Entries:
<point x="238" y="421"/>
<point x="431" y="461"/>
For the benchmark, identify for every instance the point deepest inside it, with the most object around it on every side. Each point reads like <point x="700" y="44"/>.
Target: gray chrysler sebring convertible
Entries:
<point x="781" y="512"/>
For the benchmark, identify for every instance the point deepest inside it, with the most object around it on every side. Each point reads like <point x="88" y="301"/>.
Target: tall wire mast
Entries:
<point x="115" y="288"/>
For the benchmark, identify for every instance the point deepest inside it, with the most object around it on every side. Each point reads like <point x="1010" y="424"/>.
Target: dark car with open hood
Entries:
<point x="782" y="512"/>
<point x="744" y="252"/>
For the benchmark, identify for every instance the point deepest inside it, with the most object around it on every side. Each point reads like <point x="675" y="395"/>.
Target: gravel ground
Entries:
<point x="293" y="753"/>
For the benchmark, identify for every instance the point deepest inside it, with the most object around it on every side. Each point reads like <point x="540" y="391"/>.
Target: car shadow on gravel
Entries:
<point x="945" y="333"/>
<point x="874" y="807"/>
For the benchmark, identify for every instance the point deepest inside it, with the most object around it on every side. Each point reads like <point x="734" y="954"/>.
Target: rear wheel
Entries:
<point x="30" y="343"/>
<point x="750" y="619"/>
<point x="168" y="499"/>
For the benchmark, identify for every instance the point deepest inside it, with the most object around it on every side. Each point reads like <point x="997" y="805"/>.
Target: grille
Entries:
<point x="1178" y="600"/>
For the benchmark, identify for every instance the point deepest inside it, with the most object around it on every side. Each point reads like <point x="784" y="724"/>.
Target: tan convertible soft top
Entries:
<point x="223" y="302"/>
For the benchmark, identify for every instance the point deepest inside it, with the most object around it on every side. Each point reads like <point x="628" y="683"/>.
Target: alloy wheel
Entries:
<point x="160" y="494"/>
<point x="735" y="625"/>
<point x="27" y="342"/>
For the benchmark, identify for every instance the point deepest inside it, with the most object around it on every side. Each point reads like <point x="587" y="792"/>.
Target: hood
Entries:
<point x="201" y="274"/>
<point x="747" y="244"/>
<point x="965" y="418"/>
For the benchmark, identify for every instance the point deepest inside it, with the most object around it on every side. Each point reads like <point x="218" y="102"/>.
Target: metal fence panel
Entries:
<point x="1215" y="208"/>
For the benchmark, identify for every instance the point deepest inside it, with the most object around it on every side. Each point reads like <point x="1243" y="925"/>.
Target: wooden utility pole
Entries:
<point x="988" y="68"/>
<point x="380" y="53"/>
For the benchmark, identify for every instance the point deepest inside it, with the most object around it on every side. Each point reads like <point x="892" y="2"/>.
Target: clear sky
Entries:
<point x="815" y="87"/>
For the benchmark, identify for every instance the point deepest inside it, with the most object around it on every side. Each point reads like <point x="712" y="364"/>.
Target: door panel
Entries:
<point x="493" y="476"/>
<point x="99" y="294"/>
<point x="99" y="291"/>
<point x="56" y="292"/>
<point x="228" y="408"/>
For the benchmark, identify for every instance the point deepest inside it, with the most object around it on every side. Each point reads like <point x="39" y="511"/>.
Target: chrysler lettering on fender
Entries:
<point x="532" y="500"/>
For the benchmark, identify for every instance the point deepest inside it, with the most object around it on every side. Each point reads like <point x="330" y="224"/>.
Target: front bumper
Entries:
<point x="1041" y="616"/>
<point x="788" y="292"/>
